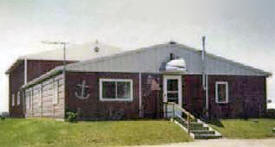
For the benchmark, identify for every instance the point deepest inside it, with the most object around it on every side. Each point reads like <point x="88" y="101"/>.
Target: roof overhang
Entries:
<point x="20" y="60"/>
<point x="14" y="65"/>
<point x="51" y="73"/>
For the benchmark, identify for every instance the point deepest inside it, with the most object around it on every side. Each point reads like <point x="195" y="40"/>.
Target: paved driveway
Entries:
<point x="224" y="143"/>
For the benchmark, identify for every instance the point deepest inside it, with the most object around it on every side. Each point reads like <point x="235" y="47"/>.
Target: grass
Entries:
<point x="45" y="132"/>
<point x="245" y="129"/>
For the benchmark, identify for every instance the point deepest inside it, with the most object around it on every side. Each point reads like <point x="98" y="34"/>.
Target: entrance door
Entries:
<point x="172" y="90"/>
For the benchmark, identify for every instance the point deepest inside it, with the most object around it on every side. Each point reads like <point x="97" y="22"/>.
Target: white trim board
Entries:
<point x="226" y="89"/>
<point x="168" y="77"/>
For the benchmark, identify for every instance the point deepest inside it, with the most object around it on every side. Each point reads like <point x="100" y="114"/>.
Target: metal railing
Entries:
<point x="173" y="110"/>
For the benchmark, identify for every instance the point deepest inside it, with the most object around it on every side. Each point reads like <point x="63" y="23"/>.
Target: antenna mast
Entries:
<point x="205" y="76"/>
<point x="64" y="51"/>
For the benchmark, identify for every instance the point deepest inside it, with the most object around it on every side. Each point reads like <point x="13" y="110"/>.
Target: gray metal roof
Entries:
<point x="152" y="59"/>
<point x="74" y="52"/>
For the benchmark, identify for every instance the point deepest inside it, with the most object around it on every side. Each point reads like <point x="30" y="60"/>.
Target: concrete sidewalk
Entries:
<point x="223" y="143"/>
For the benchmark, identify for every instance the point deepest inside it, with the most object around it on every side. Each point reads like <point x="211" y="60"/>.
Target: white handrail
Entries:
<point x="189" y="115"/>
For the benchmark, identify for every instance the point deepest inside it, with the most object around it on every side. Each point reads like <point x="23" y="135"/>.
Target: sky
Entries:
<point x="241" y="30"/>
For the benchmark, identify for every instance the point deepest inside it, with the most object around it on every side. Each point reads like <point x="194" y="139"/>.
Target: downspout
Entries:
<point x="25" y="71"/>
<point x="205" y="77"/>
<point x="140" y="96"/>
<point x="25" y="82"/>
<point x="64" y="76"/>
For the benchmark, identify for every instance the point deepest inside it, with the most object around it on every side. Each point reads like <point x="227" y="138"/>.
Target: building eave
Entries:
<point x="14" y="65"/>
<point x="43" y="77"/>
<point x="235" y="63"/>
<point x="21" y="59"/>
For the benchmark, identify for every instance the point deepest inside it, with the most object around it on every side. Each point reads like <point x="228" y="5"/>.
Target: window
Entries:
<point x="221" y="92"/>
<point x="18" y="98"/>
<point x="55" y="92"/>
<point x="116" y="90"/>
<point x="172" y="90"/>
<point x="13" y="100"/>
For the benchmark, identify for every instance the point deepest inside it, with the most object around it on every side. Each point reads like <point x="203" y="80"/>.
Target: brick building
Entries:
<point x="133" y="84"/>
<point x="30" y="67"/>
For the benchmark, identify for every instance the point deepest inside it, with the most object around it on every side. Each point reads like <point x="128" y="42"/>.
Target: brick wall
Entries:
<point x="151" y="95"/>
<point x="193" y="95"/>
<point x="94" y="109"/>
<point x="16" y="80"/>
<point x="247" y="96"/>
<point x="38" y="67"/>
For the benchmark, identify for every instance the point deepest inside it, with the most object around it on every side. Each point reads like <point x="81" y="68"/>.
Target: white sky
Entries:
<point x="242" y="30"/>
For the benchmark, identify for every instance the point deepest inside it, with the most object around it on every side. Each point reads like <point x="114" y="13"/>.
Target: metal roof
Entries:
<point x="154" y="58"/>
<point x="74" y="52"/>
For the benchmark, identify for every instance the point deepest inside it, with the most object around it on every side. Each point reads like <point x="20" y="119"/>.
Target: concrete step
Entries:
<point x="202" y="132"/>
<point x="199" y="131"/>
<point x="198" y="128"/>
<point x="207" y="136"/>
<point x="195" y="124"/>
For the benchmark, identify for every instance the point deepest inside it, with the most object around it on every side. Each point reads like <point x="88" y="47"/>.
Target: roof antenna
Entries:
<point x="64" y="44"/>
<point x="96" y="49"/>
<point x="172" y="42"/>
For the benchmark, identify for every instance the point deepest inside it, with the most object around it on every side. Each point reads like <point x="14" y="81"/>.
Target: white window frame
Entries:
<point x="55" y="92"/>
<point x="226" y="90"/>
<point x="115" y="80"/>
<point x="12" y="99"/>
<point x="18" y="98"/>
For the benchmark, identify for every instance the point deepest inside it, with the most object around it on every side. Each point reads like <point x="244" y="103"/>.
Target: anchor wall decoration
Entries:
<point x="83" y="88"/>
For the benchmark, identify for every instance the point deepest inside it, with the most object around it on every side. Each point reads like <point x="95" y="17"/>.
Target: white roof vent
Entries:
<point x="176" y="65"/>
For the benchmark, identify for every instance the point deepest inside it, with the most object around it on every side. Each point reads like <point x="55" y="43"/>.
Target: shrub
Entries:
<point x="270" y="113"/>
<point x="5" y="114"/>
<point x="71" y="117"/>
<point x="2" y="117"/>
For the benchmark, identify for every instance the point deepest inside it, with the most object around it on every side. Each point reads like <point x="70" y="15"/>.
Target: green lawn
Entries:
<point x="36" y="132"/>
<point x="246" y="129"/>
